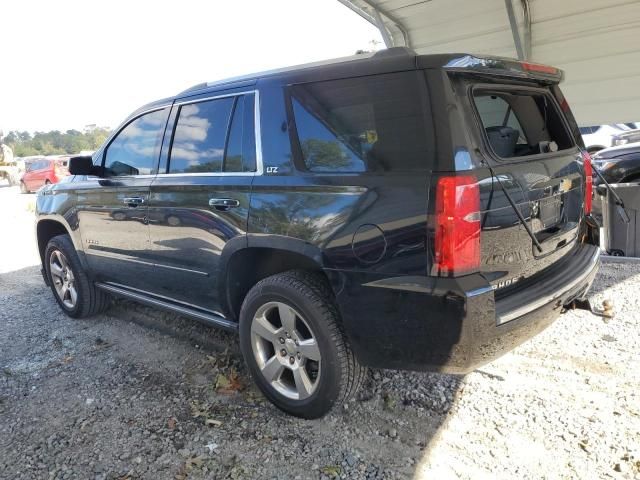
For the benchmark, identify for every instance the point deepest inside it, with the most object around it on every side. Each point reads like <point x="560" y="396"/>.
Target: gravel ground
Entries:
<point x="138" y="393"/>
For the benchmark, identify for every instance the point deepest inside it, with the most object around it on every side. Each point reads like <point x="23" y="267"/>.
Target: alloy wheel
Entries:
<point x="63" y="279"/>
<point x="286" y="350"/>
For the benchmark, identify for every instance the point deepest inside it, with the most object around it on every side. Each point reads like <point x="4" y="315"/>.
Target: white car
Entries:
<point x="601" y="136"/>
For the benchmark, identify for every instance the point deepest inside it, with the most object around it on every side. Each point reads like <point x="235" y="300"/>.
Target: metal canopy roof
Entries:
<point x="596" y="42"/>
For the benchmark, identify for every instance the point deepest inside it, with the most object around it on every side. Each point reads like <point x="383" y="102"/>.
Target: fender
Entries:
<point x="277" y="243"/>
<point x="47" y="204"/>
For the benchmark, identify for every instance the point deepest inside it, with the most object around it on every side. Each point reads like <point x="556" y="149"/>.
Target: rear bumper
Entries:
<point x="564" y="283"/>
<point x="452" y="325"/>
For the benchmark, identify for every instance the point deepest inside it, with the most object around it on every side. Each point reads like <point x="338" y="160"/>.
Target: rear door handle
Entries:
<point x="133" y="201"/>
<point x="223" y="203"/>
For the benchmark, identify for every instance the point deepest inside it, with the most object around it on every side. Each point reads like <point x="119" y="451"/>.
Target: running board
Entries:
<point x="206" y="318"/>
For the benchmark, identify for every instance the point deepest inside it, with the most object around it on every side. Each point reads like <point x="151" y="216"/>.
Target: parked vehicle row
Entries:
<point x="626" y="137"/>
<point x="44" y="171"/>
<point x="598" y="137"/>
<point x="394" y="210"/>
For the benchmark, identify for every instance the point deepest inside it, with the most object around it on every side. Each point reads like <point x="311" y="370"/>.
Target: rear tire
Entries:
<point x="292" y="340"/>
<point x="77" y="296"/>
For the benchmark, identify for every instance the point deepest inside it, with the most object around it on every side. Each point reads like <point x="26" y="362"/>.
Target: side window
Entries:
<point x="199" y="137"/>
<point x="136" y="148"/>
<point x="240" y="155"/>
<point x="214" y="136"/>
<point x="375" y="123"/>
<point x="323" y="149"/>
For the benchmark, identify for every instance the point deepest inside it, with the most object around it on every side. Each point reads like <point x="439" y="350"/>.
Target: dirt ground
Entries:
<point x="139" y="393"/>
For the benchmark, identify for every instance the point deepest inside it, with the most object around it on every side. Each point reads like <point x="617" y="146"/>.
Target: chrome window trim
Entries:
<point x="256" y="128"/>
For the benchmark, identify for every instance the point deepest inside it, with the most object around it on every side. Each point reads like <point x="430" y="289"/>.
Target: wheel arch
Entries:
<point x="247" y="266"/>
<point x="46" y="229"/>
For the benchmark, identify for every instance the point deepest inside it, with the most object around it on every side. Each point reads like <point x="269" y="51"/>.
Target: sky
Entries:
<point x="65" y="64"/>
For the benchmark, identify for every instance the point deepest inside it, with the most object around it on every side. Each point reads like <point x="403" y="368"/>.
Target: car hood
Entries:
<point x="613" y="152"/>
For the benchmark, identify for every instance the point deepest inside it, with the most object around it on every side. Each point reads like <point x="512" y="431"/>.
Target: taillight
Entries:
<point x="457" y="224"/>
<point x="588" y="182"/>
<point x="538" y="67"/>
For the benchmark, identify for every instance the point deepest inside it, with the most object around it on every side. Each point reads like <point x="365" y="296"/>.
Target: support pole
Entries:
<point x="388" y="41"/>
<point x="514" y="30"/>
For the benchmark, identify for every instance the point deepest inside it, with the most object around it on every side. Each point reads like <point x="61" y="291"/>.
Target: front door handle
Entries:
<point x="223" y="203"/>
<point x="133" y="201"/>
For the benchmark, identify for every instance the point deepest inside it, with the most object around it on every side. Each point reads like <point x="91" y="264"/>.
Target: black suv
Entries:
<point x="425" y="212"/>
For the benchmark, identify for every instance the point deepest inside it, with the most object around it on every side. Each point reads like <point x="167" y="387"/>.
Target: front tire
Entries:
<point x="292" y="341"/>
<point x="77" y="296"/>
<point x="23" y="188"/>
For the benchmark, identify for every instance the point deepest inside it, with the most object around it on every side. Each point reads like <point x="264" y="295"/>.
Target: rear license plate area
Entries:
<point x="549" y="211"/>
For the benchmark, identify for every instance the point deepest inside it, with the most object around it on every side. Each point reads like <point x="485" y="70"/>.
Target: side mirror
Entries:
<point x="81" y="165"/>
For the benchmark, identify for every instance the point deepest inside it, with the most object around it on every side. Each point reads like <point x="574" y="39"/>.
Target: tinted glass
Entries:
<point x="249" y="135"/>
<point x="375" y="123"/>
<point x="199" y="138"/>
<point x="241" y="147"/>
<point x="521" y="123"/>
<point x="135" y="150"/>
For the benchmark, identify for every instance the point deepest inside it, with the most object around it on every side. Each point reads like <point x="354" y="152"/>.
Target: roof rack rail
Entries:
<point x="195" y="87"/>
<point x="395" y="51"/>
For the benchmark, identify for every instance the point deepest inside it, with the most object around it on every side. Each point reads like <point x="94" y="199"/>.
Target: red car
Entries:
<point x="43" y="172"/>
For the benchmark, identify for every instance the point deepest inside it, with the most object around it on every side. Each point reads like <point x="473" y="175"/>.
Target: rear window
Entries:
<point x="364" y="124"/>
<point x="521" y="123"/>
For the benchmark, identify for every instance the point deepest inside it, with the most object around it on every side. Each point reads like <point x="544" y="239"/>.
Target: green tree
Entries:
<point x="55" y="142"/>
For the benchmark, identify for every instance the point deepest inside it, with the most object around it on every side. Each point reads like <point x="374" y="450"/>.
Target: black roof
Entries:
<point x="389" y="60"/>
<point x="398" y="55"/>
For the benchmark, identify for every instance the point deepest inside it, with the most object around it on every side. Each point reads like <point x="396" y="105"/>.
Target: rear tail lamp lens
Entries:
<point x="588" y="185"/>
<point x="537" y="67"/>
<point x="457" y="223"/>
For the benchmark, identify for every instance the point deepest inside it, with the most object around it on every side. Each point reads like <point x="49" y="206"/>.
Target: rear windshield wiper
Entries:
<point x="618" y="201"/>
<point x="518" y="213"/>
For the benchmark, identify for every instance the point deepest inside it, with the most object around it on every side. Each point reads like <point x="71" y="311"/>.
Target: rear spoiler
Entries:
<point x="505" y="67"/>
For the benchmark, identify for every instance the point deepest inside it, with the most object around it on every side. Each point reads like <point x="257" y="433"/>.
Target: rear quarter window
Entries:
<point x="519" y="123"/>
<point x="365" y="124"/>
